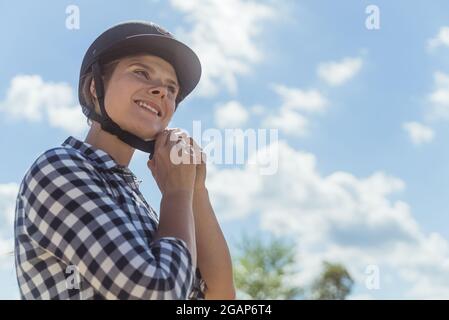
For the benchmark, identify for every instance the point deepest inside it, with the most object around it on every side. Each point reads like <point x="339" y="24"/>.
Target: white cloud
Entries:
<point x="418" y="132"/>
<point x="224" y="34"/>
<point x="6" y="247"/>
<point x="258" y="110"/>
<point x="302" y="100"/>
<point x="246" y="181"/>
<point x="30" y="98"/>
<point x="441" y="39"/>
<point x="338" y="217"/>
<point x="230" y="115"/>
<point x="289" y="117"/>
<point x="8" y="193"/>
<point x="336" y="73"/>
<point x="288" y="121"/>
<point x="439" y="97"/>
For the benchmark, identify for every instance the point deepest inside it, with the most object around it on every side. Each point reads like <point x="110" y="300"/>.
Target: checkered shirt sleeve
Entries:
<point x="65" y="212"/>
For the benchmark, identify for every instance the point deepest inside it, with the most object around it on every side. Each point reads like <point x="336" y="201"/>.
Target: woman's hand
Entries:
<point x="174" y="171"/>
<point x="173" y="166"/>
<point x="199" y="159"/>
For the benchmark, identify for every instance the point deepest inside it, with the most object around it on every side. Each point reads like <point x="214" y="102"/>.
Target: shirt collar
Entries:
<point x="99" y="158"/>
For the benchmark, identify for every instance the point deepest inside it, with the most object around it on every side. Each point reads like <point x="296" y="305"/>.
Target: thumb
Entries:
<point x="151" y="164"/>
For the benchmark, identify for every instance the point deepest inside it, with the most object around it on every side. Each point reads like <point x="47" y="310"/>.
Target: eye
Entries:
<point x="172" y="89"/>
<point x="142" y="72"/>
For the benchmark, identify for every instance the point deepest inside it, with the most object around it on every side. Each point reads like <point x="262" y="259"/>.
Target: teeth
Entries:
<point x="144" y="105"/>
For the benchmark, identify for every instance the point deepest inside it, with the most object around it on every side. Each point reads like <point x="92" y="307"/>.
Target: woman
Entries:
<point x="83" y="230"/>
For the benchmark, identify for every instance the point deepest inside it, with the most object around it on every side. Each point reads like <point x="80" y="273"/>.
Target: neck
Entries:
<point x="116" y="148"/>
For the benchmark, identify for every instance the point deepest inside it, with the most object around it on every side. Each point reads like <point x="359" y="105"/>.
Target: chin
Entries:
<point x="146" y="130"/>
<point x="151" y="133"/>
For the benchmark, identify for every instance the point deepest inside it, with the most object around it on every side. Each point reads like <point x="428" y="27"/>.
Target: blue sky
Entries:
<point x="362" y="118"/>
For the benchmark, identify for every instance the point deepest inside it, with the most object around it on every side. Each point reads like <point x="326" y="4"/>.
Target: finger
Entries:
<point x="193" y="151"/>
<point x="200" y="156"/>
<point x="168" y="137"/>
<point x="188" y="155"/>
<point x="183" y="150"/>
<point x="161" y="139"/>
<point x="178" y="143"/>
<point x="172" y="137"/>
<point x="150" y="162"/>
<point x="193" y="143"/>
<point x="183" y="136"/>
<point x="203" y="156"/>
<point x="182" y="146"/>
<point x="178" y="134"/>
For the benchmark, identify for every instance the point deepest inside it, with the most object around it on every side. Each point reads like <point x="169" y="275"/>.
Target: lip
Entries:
<point x="151" y="104"/>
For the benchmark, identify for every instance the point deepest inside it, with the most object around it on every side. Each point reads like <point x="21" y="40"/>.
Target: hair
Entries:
<point x="86" y="80"/>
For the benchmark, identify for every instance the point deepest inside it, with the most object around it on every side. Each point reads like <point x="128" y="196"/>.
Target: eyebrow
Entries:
<point x="152" y="71"/>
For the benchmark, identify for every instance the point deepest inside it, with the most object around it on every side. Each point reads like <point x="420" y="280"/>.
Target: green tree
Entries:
<point x="334" y="283"/>
<point x="262" y="270"/>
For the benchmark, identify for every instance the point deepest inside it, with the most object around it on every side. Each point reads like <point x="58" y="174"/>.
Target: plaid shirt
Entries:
<point x="83" y="230"/>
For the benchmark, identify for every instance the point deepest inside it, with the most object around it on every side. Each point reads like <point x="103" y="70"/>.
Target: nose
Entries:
<point x="158" y="91"/>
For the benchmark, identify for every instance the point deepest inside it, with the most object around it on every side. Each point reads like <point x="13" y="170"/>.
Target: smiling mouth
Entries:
<point x="144" y="105"/>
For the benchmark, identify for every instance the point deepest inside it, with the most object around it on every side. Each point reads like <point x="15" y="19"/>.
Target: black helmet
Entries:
<point x="130" y="38"/>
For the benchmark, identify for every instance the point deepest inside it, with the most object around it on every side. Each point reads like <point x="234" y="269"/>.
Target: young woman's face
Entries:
<point x="140" y="83"/>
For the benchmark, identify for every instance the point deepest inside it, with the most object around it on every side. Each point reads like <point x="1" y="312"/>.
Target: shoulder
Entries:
<point x="61" y="156"/>
<point x="56" y="162"/>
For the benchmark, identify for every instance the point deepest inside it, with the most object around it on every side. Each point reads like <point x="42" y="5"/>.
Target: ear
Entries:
<point x="92" y="89"/>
